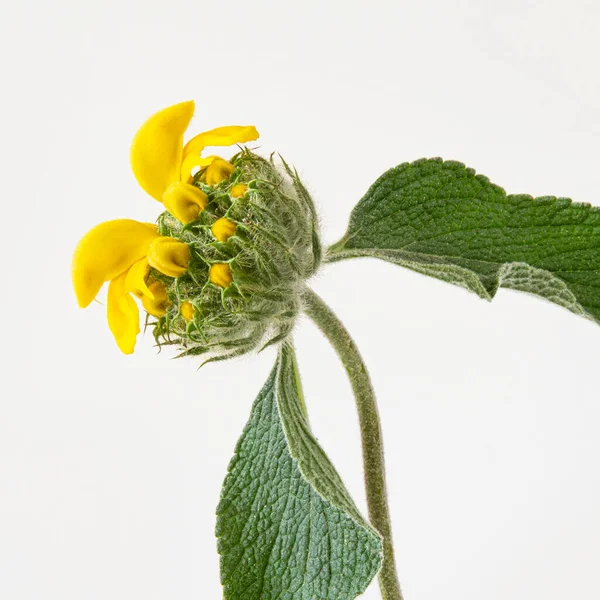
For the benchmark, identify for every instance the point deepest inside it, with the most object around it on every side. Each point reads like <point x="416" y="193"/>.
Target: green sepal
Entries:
<point x="286" y="525"/>
<point x="441" y="219"/>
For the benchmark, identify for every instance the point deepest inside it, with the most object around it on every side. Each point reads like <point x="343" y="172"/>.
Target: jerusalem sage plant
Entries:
<point x="223" y="272"/>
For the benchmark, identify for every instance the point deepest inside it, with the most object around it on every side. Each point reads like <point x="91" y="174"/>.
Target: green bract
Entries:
<point x="274" y="249"/>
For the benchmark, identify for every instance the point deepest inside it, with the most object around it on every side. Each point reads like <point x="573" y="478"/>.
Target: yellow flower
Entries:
<point x="161" y="162"/>
<point x="122" y="251"/>
<point x="115" y="251"/>
<point x="107" y="251"/>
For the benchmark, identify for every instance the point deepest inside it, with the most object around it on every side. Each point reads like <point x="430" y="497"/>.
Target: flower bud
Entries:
<point x="234" y="273"/>
<point x="184" y="201"/>
<point x="239" y="190"/>
<point x="220" y="274"/>
<point x="187" y="310"/>
<point x="169" y="256"/>
<point x="217" y="171"/>
<point x="157" y="303"/>
<point x="223" y="229"/>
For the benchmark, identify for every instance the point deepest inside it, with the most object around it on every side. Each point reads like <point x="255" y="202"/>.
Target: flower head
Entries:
<point x="220" y="268"/>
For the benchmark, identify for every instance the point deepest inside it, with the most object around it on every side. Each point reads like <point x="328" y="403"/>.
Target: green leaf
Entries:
<point x="287" y="528"/>
<point x="441" y="219"/>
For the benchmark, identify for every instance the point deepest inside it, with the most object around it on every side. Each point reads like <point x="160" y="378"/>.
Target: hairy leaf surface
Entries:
<point x="441" y="219"/>
<point x="287" y="528"/>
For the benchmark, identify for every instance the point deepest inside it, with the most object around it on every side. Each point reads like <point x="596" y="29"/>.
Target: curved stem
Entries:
<point x="370" y="428"/>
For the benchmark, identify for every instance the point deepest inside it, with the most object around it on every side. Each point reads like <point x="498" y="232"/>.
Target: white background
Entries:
<point x="110" y="466"/>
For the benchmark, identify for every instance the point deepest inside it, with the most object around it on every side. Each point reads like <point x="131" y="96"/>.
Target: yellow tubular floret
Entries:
<point x="169" y="256"/>
<point x="157" y="148"/>
<point x="223" y="229"/>
<point x="105" y="252"/>
<point x="122" y="314"/>
<point x="184" y="201"/>
<point x="220" y="274"/>
<point x="159" y="303"/>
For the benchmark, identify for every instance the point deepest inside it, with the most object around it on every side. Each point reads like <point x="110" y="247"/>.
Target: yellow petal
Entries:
<point x="220" y="274"/>
<point x="159" y="303"/>
<point x="217" y="171"/>
<point x="184" y="201"/>
<point x="221" y="136"/>
<point x="105" y="252"/>
<point x="204" y="161"/>
<point x="187" y="310"/>
<point x="122" y="314"/>
<point x="135" y="281"/>
<point x="169" y="256"/>
<point x="157" y="148"/>
<point x="223" y="229"/>
<point x="191" y="162"/>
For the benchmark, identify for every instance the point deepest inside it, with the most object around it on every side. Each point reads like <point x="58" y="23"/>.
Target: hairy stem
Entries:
<point x="370" y="428"/>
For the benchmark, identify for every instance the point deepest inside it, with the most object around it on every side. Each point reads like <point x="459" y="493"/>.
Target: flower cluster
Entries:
<point x="221" y="270"/>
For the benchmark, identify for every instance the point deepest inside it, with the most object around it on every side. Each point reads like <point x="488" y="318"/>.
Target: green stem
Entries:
<point x="370" y="428"/>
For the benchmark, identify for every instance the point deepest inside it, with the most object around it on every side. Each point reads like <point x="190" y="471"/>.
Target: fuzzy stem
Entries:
<point x="370" y="428"/>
